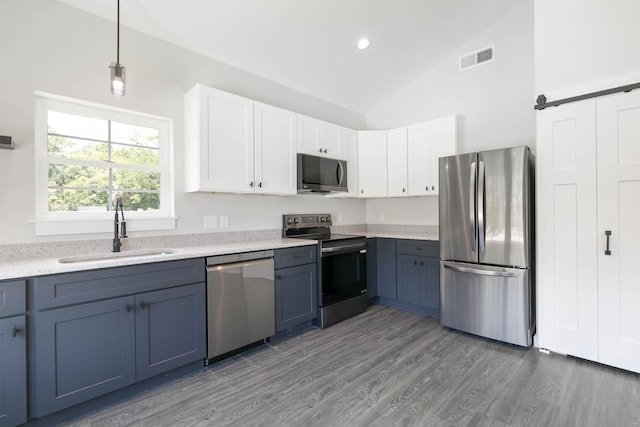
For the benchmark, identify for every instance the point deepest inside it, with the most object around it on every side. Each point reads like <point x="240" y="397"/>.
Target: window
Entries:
<point x="89" y="155"/>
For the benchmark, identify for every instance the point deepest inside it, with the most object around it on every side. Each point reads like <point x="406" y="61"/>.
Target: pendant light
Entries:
<point x="118" y="74"/>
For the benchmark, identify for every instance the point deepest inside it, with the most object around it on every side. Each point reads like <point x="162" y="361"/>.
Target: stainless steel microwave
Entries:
<point x="321" y="175"/>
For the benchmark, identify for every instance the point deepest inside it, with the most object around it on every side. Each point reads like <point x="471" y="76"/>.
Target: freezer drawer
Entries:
<point x="493" y="302"/>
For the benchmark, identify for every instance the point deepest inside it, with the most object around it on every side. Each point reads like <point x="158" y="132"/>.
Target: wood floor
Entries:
<point x="386" y="367"/>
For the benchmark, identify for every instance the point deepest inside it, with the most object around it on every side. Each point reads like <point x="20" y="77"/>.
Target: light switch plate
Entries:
<point x="224" y="221"/>
<point x="210" y="221"/>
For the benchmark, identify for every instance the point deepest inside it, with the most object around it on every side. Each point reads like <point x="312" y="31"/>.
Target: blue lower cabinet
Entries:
<point x="418" y="282"/>
<point x="386" y="266"/>
<point x="296" y="295"/>
<point x="170" y="329"/>
<point x="13" y="371"/>
<point x="82" y="352"/>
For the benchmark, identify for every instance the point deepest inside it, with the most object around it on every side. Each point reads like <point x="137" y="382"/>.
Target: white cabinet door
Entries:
<point x="397" y="162"/>
<point x="618" y="135"/>
<point x="218" y="141"/>
<point x="350" y="146"/>
<point x="418" y="165"/>
<point x="442" y="142"/>
<point x="566" y="227"/>
<point x="319" y="138"/>
<point x="372" y="150"/>
<point x="275" y="150"/>
<point x="333" y="143"/>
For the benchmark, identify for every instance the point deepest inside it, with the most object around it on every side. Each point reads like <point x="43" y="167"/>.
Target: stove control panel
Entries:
<point x="306" y="221"/>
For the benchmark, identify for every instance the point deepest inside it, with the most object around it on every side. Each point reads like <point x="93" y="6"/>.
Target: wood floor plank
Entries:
<point x="385" y="367"/>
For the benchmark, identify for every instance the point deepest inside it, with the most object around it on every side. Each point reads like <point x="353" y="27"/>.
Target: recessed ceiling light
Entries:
<point x="363" y="43"/>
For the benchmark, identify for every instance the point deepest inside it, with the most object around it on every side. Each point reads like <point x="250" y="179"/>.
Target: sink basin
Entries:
<point x="115" y="255"/>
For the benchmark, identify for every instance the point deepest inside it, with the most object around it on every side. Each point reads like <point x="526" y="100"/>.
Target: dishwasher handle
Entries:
<point x="238" y="258"/>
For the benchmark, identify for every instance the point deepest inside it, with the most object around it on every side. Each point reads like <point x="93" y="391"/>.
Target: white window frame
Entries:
<point x="57" y="223"/>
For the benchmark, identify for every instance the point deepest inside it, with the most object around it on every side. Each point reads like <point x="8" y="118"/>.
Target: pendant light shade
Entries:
<point x="117" y="70"/>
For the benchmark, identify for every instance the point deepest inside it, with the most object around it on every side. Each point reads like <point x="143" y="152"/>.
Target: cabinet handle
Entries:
<point x="433" y="187"/>
<point x="415" y="262"/>
<point x="251" y="184"/>
<point x="421" y="262"/>
<point x="608" y="234"/>
<point x="403" y="190"/>
<point x="143" y="305"/>
<point x="426" y="188"/>
<point x="15" y="331"/>
<point x="129" y="308"/>
<point x="260" y="184"/>
<point x="325" y="151"/>
<point x="361" y="191"/>
<point x="320" y="150"/>
<point x="278" y="277"/>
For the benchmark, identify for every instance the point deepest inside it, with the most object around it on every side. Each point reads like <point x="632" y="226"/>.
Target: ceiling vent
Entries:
<point x="476" y="58"/>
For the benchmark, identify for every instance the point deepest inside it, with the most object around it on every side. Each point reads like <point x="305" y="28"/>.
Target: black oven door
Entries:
<point x="344" y="274"/>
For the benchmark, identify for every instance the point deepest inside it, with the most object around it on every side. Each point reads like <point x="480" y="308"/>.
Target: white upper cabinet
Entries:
<point x="275" y="150"/>
<point x="418" y="163"/>
<point x="228" y="151"/>
<point x="397" y="162"/>
<point x="218" y="141"/>
<point x="444" y="136"/>
<point x="350" y="149"/>
<point x="319" y="138"/>
<point x="372" y="153"/>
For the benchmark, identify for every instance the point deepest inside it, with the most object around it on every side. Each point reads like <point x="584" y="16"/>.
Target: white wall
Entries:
<point x="582" y="47"/>
<point x="496" y="100"/>
<point x="48" y="46"/>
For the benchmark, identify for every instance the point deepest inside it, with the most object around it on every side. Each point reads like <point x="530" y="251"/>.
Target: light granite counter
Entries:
<point x="414" y="232"/>
<point x="39" y="266"/>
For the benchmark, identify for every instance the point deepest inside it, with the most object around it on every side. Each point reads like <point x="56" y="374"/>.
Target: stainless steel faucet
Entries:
<point x="119" y="227"/>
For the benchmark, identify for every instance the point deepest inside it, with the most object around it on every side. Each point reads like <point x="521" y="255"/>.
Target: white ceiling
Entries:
<point x="309" y="45"/>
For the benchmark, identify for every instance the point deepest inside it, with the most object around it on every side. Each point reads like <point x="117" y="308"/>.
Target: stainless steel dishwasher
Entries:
<point x="240" y="301"/>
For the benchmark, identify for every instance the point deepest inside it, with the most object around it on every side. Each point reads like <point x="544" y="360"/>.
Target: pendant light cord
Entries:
<point x="118" y="37"/>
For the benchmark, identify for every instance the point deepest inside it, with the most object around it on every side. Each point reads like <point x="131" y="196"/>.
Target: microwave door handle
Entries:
<point x="340" y="173"/>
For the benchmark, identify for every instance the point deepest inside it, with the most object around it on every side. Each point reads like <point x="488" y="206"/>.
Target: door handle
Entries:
<point x="472" y="206"/>
<point x="607" y="233"/>
<point x="495" y="273"/>
<point x="128" y="308"/>
<point x="143" y="305"/>
<point x="15" y="332"/>
<point x="481" y="207"/>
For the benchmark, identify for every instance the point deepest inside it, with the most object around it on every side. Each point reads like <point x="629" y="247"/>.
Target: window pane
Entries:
<point x="133" y="201"/>
<point x="78" y="176"/>
<point x="77" y="200"/>
<point x="80" y="126"/>
<point x="79" y="149"/>
<point x="136" y="180"/>
<point x="140" y="156"/>
<point x="135" y="135"/>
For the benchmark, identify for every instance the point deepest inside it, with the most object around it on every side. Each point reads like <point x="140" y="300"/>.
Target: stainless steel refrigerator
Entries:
<point x="486" y="244"/>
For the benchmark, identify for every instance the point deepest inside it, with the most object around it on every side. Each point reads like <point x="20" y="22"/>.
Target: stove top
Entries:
<point x="313" y="227"/>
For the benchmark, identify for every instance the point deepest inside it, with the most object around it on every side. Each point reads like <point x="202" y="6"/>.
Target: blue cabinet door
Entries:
<point x="13" y="371"/>
<point x="430" y="283"/>
<point x="170" y="329"/>
<point x="386" y="263"/>
<point x="296" y="296"/>
<point x="409" y="279"/>
<point x="82" y="352"/>
<point x="372" y="268"/>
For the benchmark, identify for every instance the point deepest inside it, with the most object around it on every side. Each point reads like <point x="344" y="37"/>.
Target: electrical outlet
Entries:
<point x="224" y="221"/>
<point x="210" y="221"/>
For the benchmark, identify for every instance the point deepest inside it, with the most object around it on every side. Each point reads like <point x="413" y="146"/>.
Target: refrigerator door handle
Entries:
<point x="472" y="206"/>
<point x="481" y="211"/>
<point x="495" y="273"/>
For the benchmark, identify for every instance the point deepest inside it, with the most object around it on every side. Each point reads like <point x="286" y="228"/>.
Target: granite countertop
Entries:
<point x="29" y="267"/>
<point x="413" y="235"/>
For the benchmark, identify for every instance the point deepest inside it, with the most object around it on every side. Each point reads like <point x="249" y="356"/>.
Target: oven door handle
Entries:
<point x="342" y="249"/>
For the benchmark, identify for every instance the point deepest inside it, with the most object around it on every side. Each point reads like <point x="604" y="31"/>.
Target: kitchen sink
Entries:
<point x="115" y="255"/>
